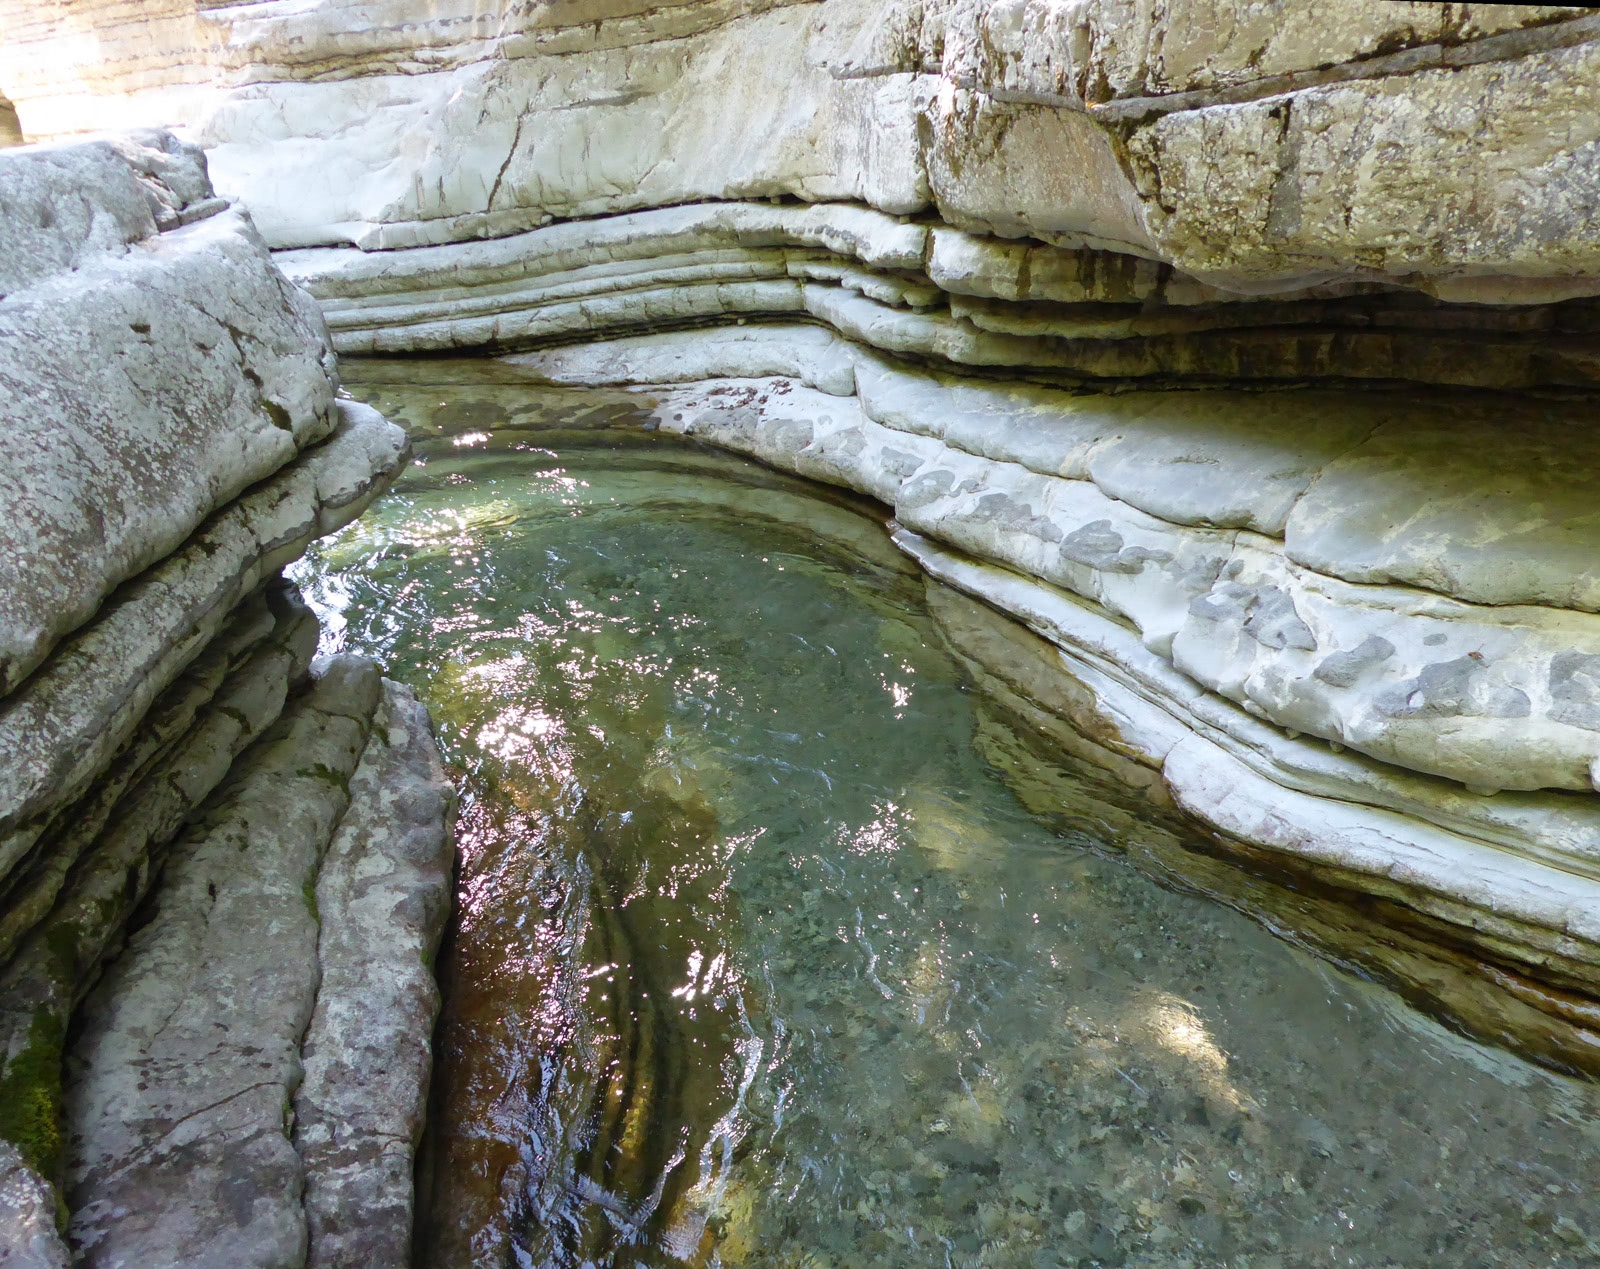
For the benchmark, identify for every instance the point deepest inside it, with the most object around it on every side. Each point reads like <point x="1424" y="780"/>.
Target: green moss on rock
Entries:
<point x="332" y="778"/>
<point x="30" y="1096"/>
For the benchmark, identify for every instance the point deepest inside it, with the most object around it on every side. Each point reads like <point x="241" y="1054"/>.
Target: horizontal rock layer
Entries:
<point x="1391" y="572"/>
<point x="176" y="441"/>
<point x="1256" y="146"/>
<point x="1055" y="314"/>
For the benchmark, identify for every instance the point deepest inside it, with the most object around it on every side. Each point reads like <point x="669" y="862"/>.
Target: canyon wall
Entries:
<point x="1260" y="147"/>
<point x="1244" y="352"/>
<point x="186" y="793"/>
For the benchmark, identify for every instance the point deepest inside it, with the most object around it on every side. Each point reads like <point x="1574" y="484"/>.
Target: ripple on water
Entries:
<point x="759" y="960"/>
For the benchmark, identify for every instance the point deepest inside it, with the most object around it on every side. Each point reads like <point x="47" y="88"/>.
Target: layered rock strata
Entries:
<point x="170" y="764"/>
<point x="1073" y="317"/>
<point x="1260" y="147"/>
<point x="1096" y="193"/>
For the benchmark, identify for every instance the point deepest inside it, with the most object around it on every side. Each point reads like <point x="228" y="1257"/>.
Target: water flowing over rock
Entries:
<point x="172" y="766"/>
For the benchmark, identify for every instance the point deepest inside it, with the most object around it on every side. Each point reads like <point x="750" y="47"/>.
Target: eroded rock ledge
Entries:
<point x="201" y="834"/>
<point x="1068" y="316"/>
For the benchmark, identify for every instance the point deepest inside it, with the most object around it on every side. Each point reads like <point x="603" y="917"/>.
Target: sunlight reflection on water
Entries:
<point x="759" y="962"/>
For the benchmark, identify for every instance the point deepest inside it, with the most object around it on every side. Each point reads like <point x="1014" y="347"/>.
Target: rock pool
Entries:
<point x="759" y="959"/>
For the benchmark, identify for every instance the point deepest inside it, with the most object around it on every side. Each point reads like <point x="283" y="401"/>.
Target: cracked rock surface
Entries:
<point x="209" y="374"/>
<point x="171" y="774"/>
<point x="1255" y="146"/>
<point x="382" y="895"/>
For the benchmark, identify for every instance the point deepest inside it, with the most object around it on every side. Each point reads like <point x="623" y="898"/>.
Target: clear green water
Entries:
<point x="757" y="962"/>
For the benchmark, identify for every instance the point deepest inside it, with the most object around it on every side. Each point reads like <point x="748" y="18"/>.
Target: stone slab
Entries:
<point x="383" y="896"/>
<point x="179" y="1085"/>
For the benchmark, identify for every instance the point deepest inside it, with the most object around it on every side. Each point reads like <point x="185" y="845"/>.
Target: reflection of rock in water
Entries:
<point x="590" y="1009"/>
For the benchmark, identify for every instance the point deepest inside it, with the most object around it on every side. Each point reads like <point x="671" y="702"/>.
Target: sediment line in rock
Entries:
<point x="88" y="882"/>
<point x="61" y="727"/>
<point x="1084" y="730"/>
<point x="163" y="1071"/>
<point x="927" y="291"/>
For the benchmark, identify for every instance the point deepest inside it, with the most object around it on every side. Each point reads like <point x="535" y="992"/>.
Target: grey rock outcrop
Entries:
<point x="178" y="438"/>
<point x="1077" y="317"/>
<point x="1220" y="191"/>
<point x="284" y="961"/>
<point x="190" y="1045"/>
<point x="382" y="894"/>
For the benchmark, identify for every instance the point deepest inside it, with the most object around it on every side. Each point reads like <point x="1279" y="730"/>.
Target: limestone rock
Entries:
<point x="1055" y="487"/>
<point x="1043" y="50"/>
<point x="209" y="374"/>
<point x="1490" y="507"/>
<point x="66" y="916"/>
<point x="1078" y="317"/>
<point x="382" y="897"/>
<point x="179" y="1086"/>
<point x="58" y="731"/>
<point x="155" y="489"/>
<point x="1261" y="147"/>
<point x="1346" y="164"/>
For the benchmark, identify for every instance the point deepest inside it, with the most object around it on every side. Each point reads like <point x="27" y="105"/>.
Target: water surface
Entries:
<point x="759" y="960"/>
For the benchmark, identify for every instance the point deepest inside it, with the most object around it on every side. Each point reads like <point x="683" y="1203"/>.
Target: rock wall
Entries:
<point x="1209" y="191"/>
<point x="184" y="794"/>
<point x="1257" y="146"/>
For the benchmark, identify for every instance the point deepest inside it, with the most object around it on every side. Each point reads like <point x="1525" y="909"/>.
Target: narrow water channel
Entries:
<point x="760" y="961"/>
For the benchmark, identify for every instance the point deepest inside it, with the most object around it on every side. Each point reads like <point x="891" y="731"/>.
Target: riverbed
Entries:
<point x="760" y="959"/>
